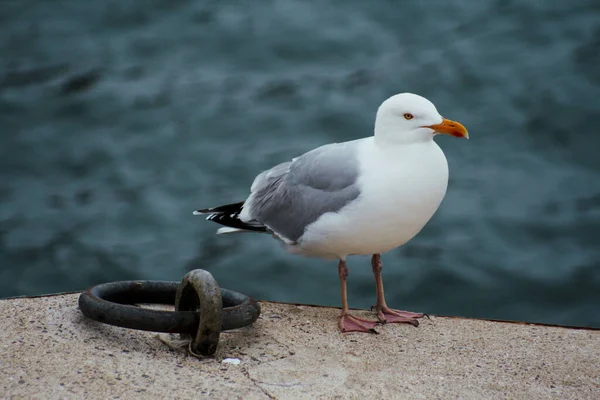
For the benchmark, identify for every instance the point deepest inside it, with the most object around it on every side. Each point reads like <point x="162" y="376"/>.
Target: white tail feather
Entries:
<point x="227" y="229"/>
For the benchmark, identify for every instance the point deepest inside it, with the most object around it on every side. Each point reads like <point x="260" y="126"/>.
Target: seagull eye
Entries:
<point x="408" y="116"/>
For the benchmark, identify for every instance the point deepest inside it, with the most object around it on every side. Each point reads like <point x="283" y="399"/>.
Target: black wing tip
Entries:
<point x="233" y="221"/>
<point x="228" y="215"/>
<point x="227" y="208"/>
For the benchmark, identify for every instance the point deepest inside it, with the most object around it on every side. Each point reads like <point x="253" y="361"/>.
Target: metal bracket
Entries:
<point x="199" y="290"/>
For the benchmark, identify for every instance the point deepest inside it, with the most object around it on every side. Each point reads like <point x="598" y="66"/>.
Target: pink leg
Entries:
<point x="348" y="322"/>
<point x="384" y="313"/>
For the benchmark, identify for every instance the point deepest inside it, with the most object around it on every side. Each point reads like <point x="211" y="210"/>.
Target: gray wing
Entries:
<point x="292" y="195"/>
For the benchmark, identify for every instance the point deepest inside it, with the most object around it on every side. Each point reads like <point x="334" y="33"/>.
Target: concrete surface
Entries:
<point x="49" y="350"/>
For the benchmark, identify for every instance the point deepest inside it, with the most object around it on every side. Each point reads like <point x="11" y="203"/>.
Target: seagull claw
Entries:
<point x="388" y="315"/>
<point x="349" y="323"/>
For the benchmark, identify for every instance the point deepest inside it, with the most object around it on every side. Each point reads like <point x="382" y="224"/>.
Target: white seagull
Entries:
<point x="364" y="196"/>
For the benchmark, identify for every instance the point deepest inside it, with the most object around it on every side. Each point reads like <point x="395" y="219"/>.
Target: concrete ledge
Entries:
<point x="49" y="350"/>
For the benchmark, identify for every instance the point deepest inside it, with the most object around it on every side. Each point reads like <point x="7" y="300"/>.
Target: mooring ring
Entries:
<point x="113" y="304"/>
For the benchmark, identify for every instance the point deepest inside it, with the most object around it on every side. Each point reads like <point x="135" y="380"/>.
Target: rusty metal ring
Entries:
<point x="114" y="304"/>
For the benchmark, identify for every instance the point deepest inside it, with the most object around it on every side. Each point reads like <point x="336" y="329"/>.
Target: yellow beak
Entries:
<point x="449" y="127"/>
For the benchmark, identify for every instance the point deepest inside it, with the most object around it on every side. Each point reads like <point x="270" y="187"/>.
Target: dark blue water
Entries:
<point x="118" y="118"/>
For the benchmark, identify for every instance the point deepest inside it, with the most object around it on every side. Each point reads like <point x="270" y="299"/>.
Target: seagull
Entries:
<point x="360" y="197"/>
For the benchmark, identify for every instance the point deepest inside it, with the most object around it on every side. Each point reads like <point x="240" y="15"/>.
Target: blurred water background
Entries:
<point x="118" y="118"/>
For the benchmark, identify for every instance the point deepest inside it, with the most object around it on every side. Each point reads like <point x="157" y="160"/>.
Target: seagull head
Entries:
<point x="409" y="118"/>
